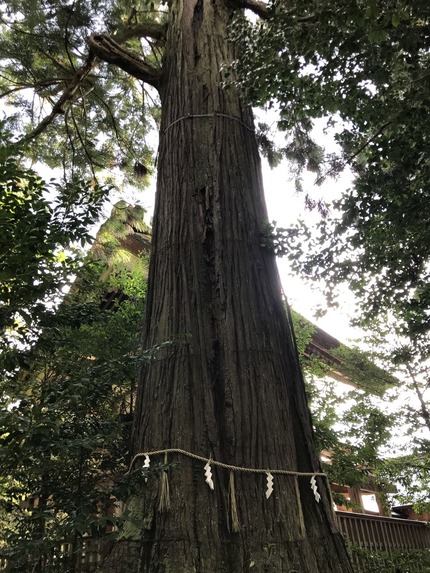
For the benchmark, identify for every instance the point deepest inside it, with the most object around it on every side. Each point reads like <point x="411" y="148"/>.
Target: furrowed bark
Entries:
<point x="230" y="386"/>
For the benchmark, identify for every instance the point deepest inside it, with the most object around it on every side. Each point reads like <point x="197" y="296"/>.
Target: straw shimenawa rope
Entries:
<point x="205" y="115"/>
<point x="164" y="494"/>
<point x="220" y="464"/>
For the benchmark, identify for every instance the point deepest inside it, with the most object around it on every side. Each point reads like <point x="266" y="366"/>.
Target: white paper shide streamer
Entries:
<point x="146" y="464"/>
<point x="314" y="488"/>
<point x="269" y="489"/>
<point x="208" y="475"/>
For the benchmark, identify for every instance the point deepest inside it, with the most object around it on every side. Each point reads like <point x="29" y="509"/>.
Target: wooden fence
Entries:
<point x="63" y="558"/>
<point x="386" y="544"/>
<point x="366" y="532"/>
<point x="383" y="533"/>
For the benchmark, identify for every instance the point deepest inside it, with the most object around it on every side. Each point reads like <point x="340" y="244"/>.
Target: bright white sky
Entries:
<point x="285" y="206"/>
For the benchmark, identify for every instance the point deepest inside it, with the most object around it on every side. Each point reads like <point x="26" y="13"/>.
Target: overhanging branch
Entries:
<point x="262" y="10"/>
<point x="145" y="30"/>
<point x="67" y="95"/>
<point x="106" y="49"/>
<point x="257" y="6"/>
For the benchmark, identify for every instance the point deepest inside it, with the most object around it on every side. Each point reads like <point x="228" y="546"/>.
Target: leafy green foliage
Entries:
<point x="65" y="414"/>
<point x="408" y="358"/>
<point x="103" y="120"/>
<point x="364" y="66"/>
<point x="352" y="431"/>
<point x="38" y="233"/>
<point x="351" y="428"/>
<point x="275" y="238"/>
<point x="63" y="422"/>
<point x="372" y="561"/>
<point x="412" y="474"/>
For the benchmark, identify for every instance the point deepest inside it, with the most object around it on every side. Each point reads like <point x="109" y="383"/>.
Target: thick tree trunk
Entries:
<point x="230" y="386"/>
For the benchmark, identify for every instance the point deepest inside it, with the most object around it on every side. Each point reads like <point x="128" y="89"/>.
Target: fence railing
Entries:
<point x="383" y="533"/>
<point x="374" y="533"/>
<point x="84" y="558"/>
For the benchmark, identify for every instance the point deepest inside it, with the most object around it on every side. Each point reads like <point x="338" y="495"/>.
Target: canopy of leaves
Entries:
<point x="365" y="66"/>
<point x="351" y="427"/>
<point x="408" y="358"/>
<point x="376" y="430"/>
<point x="65" y="417"/>
<point x="38" y="233"/>
<point x="364" y="63"/>
<point x="96" y="114"/>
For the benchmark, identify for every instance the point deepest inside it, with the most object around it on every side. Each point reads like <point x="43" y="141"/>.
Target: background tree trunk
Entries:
<point x="230" y="387"/>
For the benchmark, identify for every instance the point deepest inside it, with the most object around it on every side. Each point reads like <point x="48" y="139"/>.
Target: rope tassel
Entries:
<point x="235" y="525"/>
<point x="164" y="497"/>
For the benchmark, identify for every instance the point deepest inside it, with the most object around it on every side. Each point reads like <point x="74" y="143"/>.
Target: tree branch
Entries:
<point x="257" y="6"/>
<point x="106" y="49"/>
<point x="41" y="84"/>
<point x="67" y="95"/>
<point x="84" y="146"/>
<point x="351" y="157"/>
<point x="262" y="10"/>
<point x="144" y="30"/>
